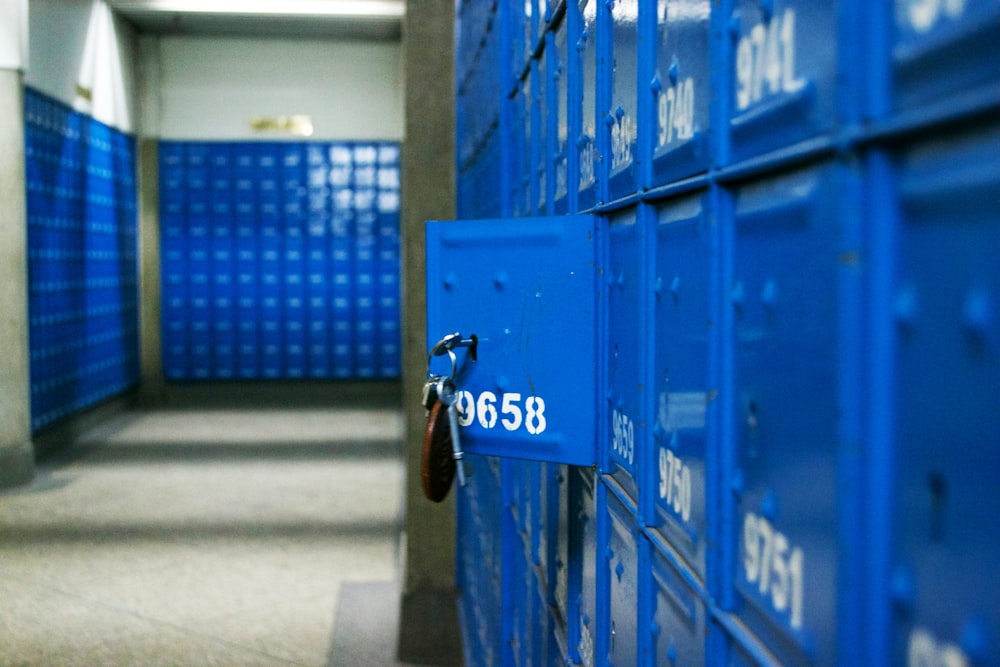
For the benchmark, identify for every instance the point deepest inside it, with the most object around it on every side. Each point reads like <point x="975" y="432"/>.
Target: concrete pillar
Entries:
<point x="16" y="455"/>
<point x="429" y="631"/>
<point x="152" y="389"/>
<point x="150" y="334"/>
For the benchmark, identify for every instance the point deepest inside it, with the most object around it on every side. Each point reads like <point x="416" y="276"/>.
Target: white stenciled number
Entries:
<point x="676" y="112"/>
<point x="622" y="136"/>
<point x="487" y="409"/>
<point x="511" y="415"/>
<point x="623" y="436"/>
<point x="586" y="162"/>
<point x="466" y="406"/>
<point x="765" y="61"/>
<point x="925" y="650"/>
<point x="770" y="562"/>
<point x="511" y="412"/>
<point x="535" y="422"/>
<point x="923" y="15"/>
<point x="675" y="484"/>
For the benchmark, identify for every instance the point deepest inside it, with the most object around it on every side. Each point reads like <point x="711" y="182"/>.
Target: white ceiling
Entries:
<point x="315" y="18"/>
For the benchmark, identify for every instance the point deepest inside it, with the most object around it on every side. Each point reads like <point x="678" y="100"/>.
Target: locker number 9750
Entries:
<point x="512" y="413"/>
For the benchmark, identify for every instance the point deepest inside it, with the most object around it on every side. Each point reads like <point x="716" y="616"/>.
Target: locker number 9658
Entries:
<point x="512" y="413"/>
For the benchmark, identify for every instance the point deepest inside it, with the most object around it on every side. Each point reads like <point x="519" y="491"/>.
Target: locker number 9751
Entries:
<point x="512" y="413"/>
<point x="775" y="566"/>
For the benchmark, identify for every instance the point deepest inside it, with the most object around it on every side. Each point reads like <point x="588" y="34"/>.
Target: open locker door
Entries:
<point x="525" y="290"/>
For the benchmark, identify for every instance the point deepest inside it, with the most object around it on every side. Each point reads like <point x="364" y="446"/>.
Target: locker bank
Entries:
<point x="688" y="309"/>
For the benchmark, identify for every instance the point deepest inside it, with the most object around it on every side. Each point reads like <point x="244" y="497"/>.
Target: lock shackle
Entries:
<point x="454" y="364"/>
<point x="447" y="346"/>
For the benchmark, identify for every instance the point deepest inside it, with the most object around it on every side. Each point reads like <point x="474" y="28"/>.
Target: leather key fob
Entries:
<point x="437" y="463"/>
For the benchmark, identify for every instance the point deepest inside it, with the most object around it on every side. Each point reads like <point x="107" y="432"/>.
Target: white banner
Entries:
<point x="14" y="34"/>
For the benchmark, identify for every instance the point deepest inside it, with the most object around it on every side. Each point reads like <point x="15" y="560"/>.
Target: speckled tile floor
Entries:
<point x="195" y="536"/>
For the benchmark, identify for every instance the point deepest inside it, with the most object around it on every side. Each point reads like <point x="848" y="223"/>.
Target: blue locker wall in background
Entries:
<point x="799" y="349"/>
<point x="280" y="260"/>
<point x="82" y="261"/>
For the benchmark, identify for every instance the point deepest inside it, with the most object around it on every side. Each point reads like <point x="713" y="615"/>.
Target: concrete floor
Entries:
<point x="209" y="536"/>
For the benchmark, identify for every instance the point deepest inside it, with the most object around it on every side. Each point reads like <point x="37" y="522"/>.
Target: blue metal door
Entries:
<point x="525" y="288"/>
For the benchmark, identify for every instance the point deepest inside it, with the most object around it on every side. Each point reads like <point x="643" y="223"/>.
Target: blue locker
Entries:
<point x="584" y="177"/>
<point x="542" y="148"/>
<point x="678" y="620"/>
<point x="523" y="184"/>
<point x="620" y="565"/>
<point x="946" y="382"/>
<point x="624" y="431"/>
<point x="618" y="36"/>
<point x="341" y="166"/>
<point x="685" y="378"/>
<point x="582" y="586"/>
<point x="81" y="222"/>
<point x="483" y="580"/>
<point x="522" y="23"/>
<point x="511" y="386"/>
<point x="681" y="91"/>
<point x="943" y="50"/>
<point x="557" y="63"/>
<point x="556" y="530"/>
<point x="794" y="308"/>
<point x="280" y="239"/>
<point x="171" y="154"/>
<point x="783" y="84"/>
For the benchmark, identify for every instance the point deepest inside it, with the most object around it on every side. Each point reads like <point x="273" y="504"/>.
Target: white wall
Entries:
<point x="210" y="87"/>
<point x="80" y="43"/>
<point x="13" y="34"/>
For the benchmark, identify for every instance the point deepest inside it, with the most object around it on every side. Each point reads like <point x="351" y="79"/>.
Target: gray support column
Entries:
<point x="150" y="336"/>
<point x="152" y="387"/>
<point x="429" y="631"/>
<point x="16" y="456"/>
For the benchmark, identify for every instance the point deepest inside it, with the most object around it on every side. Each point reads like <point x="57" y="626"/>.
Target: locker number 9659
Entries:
<point x="512" y="413"/>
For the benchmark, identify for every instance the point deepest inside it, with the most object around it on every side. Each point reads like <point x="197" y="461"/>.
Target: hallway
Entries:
<point x="210" y="531"/>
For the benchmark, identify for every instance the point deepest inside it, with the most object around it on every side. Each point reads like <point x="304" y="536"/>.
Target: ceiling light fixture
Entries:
<point x="345" y="8"/>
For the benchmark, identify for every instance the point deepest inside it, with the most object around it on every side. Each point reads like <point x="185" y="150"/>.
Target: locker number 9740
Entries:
<point x="512" y="413"/>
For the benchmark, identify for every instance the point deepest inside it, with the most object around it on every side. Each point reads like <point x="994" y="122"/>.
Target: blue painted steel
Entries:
<point x="557" y="64"/>
<point x="680" y="91"/>
<point x="782" y="74"/>
<point x="943" y="50"/>
<point x="677" y="622"/>
<point x="618" y="37"/>
<point x="518" y="400"/>
<point x="584" y="178"/>
<point x="82" y="260"/>
<point x="483" y="581"/>
<point x="520" y="160"/>
<point x="684" y="385"/>
<point x="946" y="291"/>
<point x="801" y="313"/>
<point x="624" y="418"/>
<point x="582" y="578"/>
<point x="544" y="145"/>
<point x="788" y="300"/>
<point x="619" y="560"/>
<point x="280" y="260"/>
